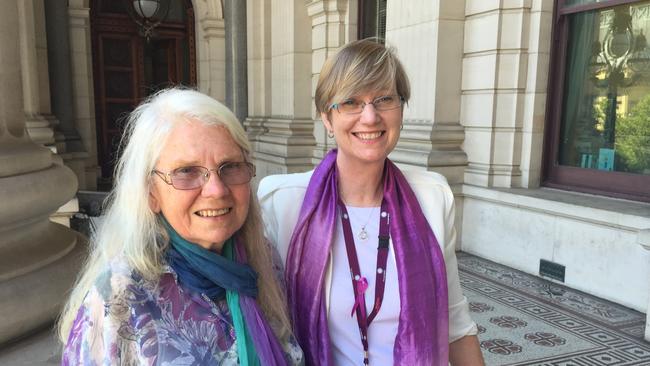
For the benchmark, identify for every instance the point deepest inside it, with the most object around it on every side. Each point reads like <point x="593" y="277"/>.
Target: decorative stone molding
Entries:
<point x="434" y="145"/>
<point x="212" y="56"/>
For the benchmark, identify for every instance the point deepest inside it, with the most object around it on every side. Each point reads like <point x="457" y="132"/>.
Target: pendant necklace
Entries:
<point x="363" y="234"/>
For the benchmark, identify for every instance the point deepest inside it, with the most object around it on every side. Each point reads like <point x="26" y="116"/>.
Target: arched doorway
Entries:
<point x="127" y="67"/>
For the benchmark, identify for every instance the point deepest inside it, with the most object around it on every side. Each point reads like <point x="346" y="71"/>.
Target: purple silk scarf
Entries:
<point x="266" y="343"/>
<point x="422" y="333"/>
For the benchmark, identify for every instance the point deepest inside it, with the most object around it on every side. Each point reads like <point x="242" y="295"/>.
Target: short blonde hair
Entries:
<point x="360" y="66"/>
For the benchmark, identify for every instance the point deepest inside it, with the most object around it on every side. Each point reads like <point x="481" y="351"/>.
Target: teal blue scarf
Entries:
<point x="207" y="272"/>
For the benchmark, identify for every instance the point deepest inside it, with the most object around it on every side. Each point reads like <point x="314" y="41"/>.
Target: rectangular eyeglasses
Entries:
<point x="382" y="103"/>
<point x="192" y="177"/>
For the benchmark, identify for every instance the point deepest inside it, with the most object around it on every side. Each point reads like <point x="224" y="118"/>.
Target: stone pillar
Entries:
<point x="212" y="59"/>
<point x="331" y="29"/>
<point x="38" y="259"/>
<point x="69" y="142"/>
<point x="33" y="55"/>
<point x="258" y="36"/>
<point x="495" y="76"/>
<point x="83" y="98"/>
<point x="428" y="37"/>
<point x="286" y="144"/>
<point x="534" y="108"/>
<point x="236" y="73"/>
<point x="58" y="36"/>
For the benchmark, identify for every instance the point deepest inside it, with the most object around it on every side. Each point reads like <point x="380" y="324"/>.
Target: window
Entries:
<point x="372" y="19"/>
<point x="598" y="116"/>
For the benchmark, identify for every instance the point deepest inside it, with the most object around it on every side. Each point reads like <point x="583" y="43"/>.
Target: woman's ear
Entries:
<point x="326" y="121"/>
<point x="154" y="203"/>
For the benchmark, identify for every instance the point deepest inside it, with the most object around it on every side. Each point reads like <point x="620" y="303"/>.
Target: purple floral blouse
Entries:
<point x="126" y="320"/>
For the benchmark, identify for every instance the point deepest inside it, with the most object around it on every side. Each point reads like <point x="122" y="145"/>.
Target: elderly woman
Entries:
<point x="370" y="266"/>
<point x="179" y="272"/>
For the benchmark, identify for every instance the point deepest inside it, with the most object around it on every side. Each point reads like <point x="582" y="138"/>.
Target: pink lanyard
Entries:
<point x="359" y="283"/>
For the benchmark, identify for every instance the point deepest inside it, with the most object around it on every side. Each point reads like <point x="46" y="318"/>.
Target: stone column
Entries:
<point x="83" y="97"/>
<point x="38" y="259"/>
<point x="495" y="78"/>
<point x="59" y="61"/>
<point x="331" y="29"/>
<point x="428" y="37"/>
<point x="286" y="144"/>
<point x="212" y="59"/>
<point x="236" y="73"/>
<point x="33" y="55"/>
<point x="69" y="142"/>
<point x="534" y="108"/>
<point x="258" y="40"/>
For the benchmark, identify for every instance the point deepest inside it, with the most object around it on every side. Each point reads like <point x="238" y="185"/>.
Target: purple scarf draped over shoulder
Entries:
<point x="422" y="333"/>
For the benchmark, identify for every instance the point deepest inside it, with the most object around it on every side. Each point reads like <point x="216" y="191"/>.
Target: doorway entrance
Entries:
<point x="127" y="68"/>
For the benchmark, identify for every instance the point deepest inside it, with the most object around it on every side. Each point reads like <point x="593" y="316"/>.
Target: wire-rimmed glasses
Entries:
<point x="192" y="177"/>
<point x="382" y="103"/>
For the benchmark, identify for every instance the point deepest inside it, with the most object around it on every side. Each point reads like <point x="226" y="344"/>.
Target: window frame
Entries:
<point x="361" y="20"/>
<point x="614" y="184"/>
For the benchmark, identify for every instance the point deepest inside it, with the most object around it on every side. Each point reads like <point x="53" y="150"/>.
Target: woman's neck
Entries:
<point x="360" y="185"/>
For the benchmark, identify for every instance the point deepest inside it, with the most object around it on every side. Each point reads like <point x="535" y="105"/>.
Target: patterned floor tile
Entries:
<point x="526" y="320"/>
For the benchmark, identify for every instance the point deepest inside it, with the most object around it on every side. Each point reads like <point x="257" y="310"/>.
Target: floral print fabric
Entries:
<point x="127" y="320"/>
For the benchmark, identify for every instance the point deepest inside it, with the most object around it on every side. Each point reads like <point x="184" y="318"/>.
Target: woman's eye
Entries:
<point x="228" y="168"/>
<point x="187" y="171"/>
<point x="348" y="103"/>
<point x="387" y="99"/>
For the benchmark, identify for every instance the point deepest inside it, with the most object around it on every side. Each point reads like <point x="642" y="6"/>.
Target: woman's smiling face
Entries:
<point x="366" y="137"/>
<point x="210" y="214"/>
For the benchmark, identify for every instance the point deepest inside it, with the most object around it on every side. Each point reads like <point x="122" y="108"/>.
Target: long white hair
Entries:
<point x="130" y="229"/>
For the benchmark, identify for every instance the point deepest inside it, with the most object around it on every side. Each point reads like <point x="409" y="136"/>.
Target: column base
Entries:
<point x="33" y="299"/>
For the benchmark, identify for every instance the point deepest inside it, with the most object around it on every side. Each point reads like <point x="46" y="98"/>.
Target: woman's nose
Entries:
<point x="369" y="114"/>
<point x="215" y="187"/>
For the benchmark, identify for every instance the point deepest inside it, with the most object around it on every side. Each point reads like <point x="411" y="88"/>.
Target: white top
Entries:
<point x="281" y="197"/>
<point x="344" y="331"/>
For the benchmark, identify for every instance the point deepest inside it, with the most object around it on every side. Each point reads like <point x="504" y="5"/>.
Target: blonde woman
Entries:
<point x="179" y="272"/>
<point x="370" y="265"/>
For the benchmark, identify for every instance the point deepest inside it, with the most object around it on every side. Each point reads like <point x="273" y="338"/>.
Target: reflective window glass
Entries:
<point x="605" y="121"/>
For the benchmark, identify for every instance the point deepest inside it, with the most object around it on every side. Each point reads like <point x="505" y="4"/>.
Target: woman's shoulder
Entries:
<point x="117" y="280"/>
<point x="271" y="184"/>
<point x="420" y="179"/>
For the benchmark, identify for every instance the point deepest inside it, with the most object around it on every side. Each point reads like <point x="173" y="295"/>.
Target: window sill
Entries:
<point x="599" y="210"/>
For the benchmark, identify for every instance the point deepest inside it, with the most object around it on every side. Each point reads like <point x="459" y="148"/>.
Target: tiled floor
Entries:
<point x="523" y="320"/>
<point x="526" y="320"/>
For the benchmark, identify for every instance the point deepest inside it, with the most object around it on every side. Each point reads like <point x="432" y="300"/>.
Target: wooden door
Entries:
<point x="127" y="68"/>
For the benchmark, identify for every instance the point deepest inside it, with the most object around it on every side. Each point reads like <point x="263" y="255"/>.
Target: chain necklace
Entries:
<point x="363" y="234"/>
